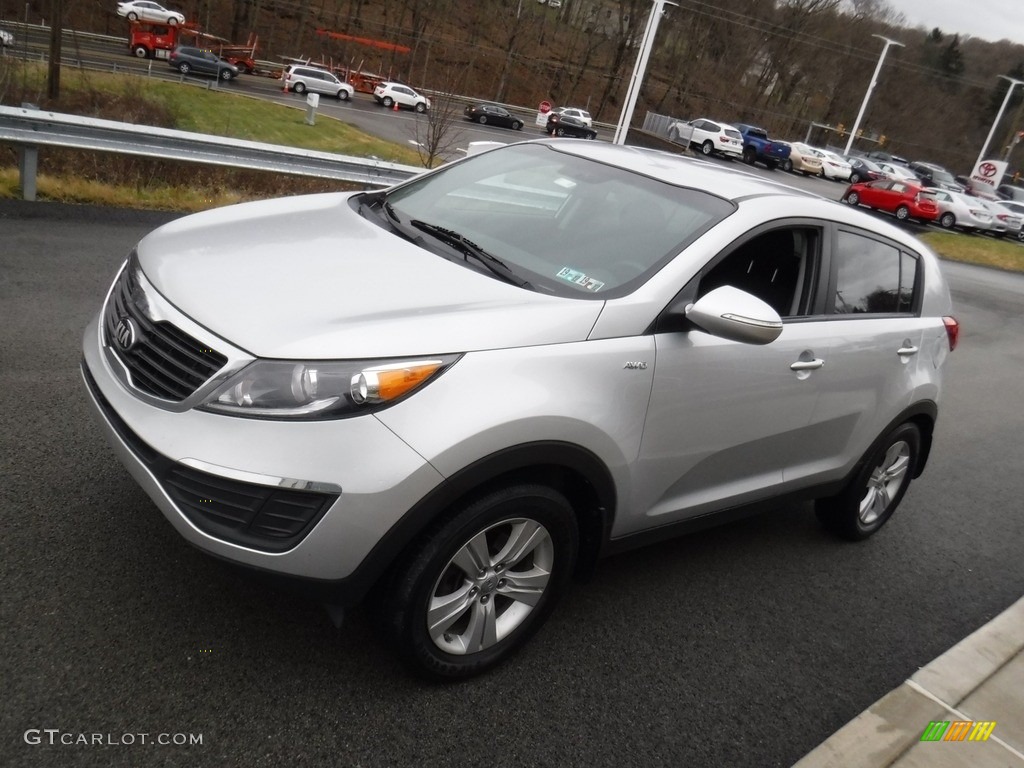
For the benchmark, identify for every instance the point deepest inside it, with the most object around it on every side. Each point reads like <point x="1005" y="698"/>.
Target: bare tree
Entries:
<point x="436" y="133"/>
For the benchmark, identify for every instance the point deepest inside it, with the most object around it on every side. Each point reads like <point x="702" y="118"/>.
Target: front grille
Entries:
<point x="261" y="517"/>
<point x="164" y="361"/>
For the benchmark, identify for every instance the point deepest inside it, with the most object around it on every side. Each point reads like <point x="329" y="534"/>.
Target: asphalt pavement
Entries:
<point x="746" y="645"/>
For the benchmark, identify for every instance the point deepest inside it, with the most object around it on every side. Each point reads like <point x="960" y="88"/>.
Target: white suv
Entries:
<point x="580" y="114"/>
<point x="390" y="94"/>
<point x="301" y="78"/>
<point x="709" y="137"/>
<point x="450" y="396"/>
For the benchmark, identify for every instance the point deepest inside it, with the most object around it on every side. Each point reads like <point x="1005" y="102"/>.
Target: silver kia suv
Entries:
<point x="450" y="396"/>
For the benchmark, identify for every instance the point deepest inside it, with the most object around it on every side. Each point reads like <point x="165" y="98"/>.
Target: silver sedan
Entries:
<point x="960" y="211"/>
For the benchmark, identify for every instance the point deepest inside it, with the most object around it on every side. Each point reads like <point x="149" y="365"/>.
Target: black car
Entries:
<point x="492" y="114"/>
<point x="879" y="156"/>
<point x="186" y="60"/>
<point x="935" y="176"/>
<point x="862" y="169"/>
<point x="564" y="125"/>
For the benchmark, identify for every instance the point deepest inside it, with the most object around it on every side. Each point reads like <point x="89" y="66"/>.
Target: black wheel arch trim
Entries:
<point x="551" y="460"/>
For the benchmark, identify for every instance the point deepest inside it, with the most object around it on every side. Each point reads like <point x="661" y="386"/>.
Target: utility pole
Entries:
<point x="56" y="33"/>
<point x="871" y="87"/>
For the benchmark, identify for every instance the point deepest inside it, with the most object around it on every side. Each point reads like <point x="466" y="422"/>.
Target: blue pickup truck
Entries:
<point x="758" y="148"/>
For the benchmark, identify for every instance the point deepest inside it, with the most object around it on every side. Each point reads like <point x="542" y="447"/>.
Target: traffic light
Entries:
<point x="841" y="128"/>
<point x="860" y="132"/>
<point x="881" y="140"/>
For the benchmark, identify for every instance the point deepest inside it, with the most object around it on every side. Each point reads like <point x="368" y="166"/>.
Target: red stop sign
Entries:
<point x="545" y="107"/>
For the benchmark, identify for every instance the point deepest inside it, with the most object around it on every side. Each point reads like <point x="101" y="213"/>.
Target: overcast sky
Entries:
<point x="987" y="19"/>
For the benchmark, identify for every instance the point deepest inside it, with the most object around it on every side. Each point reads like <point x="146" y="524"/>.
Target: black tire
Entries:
<point x="903" y="213"/>
<point x="947" y="220"/>
<point x="749" y="156"/>
<point x="707" y="148"/>
<point x="443" y="564"/>
<point x="516" y="125"/>
<point x="226" y="74"/>
<point x="421" y="107"/>
<point x="560" y="131"/>
<point x="299" y="88"/>
<point x="388" y="102"/>
<point x="184" y="68"/>
<point x="855" y="178"/>
<point x="590" y="136"/>
<point x="141" y="52"/>
<point x="771" y="165"/>
<point x="873" y="495"/>
<point x="853" y="199"/>
<point x="133" y="16"/>
<point x="482" y="120"/>
<point x="342" y="95"/>
<point x="787" y="165"/>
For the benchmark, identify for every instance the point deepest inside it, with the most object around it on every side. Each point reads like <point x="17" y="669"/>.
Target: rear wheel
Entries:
<point x="482" y="582"/>
<point x="707" y="148"/>
<point x="184" y="68"/>
<point x="482" y="120"/>
<point x="388" y="102"/>
<point x="855" y="178"/>
<point x="948" y="220"/>
<point x="749" y="156"/>
<point x="874" y="494"/>
<point x="903" y="213"/>
<point x="299" y="88"/>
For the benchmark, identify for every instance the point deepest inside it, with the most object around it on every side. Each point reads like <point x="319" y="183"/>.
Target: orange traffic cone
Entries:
<point x="395" y="107"/>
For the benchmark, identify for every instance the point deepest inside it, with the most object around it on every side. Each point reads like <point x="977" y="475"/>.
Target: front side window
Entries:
<point x="872" y="277"/>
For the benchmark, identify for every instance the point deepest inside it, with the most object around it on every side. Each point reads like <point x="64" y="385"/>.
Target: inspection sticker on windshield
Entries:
<point x="575" y="276"/>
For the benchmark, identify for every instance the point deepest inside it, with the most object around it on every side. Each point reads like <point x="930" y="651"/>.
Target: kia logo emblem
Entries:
<point x="125" y="333"/>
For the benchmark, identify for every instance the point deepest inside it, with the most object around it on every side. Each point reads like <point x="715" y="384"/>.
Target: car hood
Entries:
<point x="308" y="277"/>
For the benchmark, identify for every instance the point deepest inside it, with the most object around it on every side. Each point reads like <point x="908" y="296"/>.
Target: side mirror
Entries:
<point x="733" y="314"/>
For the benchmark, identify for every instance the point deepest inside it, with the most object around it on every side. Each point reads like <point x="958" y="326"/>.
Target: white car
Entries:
<point x="1017" y="207"/>
<point x="391" y="94"/>
<point x="6" y="38"/>
<point x="709" y="137"/>
<point x="580" y="114"/>
<point x="897" y="172"/>
<point x="833" y="167"/>
<point x="960" y="211"/>
<point x="144" y="10"/>
<point x="1005" y="221"/>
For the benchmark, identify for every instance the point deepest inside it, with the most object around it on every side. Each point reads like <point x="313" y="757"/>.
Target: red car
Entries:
<point x="904" y="198"/>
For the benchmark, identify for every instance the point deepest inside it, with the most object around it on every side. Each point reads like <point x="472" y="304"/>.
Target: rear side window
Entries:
<point x="872" y="277"/>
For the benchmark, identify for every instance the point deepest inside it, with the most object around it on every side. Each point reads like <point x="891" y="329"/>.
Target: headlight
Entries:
<point x="278" y="389"/>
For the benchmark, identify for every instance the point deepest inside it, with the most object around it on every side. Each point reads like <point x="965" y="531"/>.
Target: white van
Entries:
<point x="301" y="78"/>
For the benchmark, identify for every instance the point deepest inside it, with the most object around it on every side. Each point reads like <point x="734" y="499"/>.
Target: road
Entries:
<point x="742" y="646"/>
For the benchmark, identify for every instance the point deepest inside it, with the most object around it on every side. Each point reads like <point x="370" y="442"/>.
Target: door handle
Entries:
<point x="906" y="351"/>
<point x="807" y="365"/>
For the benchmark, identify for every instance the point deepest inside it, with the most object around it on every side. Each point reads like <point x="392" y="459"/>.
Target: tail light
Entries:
<point x="952" y="331"/>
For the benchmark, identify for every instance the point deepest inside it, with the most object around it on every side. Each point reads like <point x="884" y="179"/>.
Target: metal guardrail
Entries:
<point x="29" y="129"/>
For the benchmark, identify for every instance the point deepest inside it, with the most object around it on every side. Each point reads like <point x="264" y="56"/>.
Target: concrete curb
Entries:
<point x="948" y="688"/>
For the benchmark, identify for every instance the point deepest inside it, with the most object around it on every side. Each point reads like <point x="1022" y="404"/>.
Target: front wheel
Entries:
<point x="342" y="95"/>
<point x="903" y="213"/>
<point x="853" y="198"/>
<point x="140" y="51"/>
<point x="171" y="21"/>
<point x="878" y="488"/>
<point x="517" y="126"/>
<point x="482" y="582"/>
<point x="133" y="16"/>
<point x="422" y="107"/>
<point x="560" y="131"/>
<point x="226" y="74"/>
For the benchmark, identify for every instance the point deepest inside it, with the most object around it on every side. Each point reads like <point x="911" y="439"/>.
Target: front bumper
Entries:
<point x="364" y="476"/>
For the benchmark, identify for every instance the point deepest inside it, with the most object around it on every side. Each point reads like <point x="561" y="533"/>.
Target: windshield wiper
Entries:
<point x="468" y="248"/>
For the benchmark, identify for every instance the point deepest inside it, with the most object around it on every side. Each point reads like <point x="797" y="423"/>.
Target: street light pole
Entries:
<point x="633" y="92"/>
<point x="871" y="87"/>
<point x="984" y="149"/>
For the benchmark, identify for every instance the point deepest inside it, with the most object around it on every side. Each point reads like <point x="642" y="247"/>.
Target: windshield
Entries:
<point x="562" y="224"/>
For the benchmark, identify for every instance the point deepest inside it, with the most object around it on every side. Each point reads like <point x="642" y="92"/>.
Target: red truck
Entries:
<point x="147" y="40"/>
